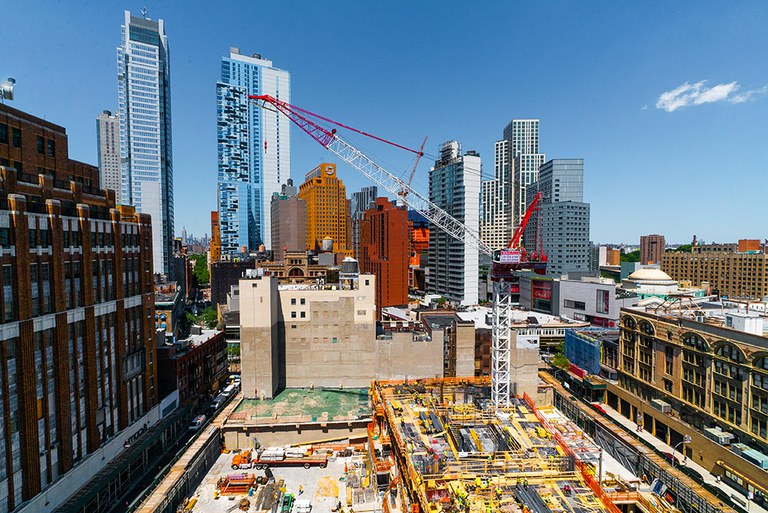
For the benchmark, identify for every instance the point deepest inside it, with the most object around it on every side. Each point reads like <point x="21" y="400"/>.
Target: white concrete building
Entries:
<point x="108" y="139"/>
<point x="496" y="222"/>
<point x="454" y="186"/>
<point x="525" y="159"/>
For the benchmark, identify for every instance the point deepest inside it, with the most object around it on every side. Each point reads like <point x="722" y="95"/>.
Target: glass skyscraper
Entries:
<point x="144" y="105"/>
<point x="253" y="150"/>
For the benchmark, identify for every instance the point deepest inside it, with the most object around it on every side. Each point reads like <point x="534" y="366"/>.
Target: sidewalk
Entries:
<point x="661" y="446"/>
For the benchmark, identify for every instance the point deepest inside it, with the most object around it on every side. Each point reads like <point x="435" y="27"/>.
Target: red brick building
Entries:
<point x="194" y="366"/>
<point x="384" y="252"/>
<point x="77" y="345"/>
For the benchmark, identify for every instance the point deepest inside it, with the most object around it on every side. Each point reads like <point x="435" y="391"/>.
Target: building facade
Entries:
<point x="360" y="201"/>
<point x="731" y="274"/>
<point x="454" y="186"/>
<point x="77" y="351"/>
<point x="144" y="111"/>
<point x="108" y="140"/>
<point x="496" y="200"/>
<point x="309" y="336"/>
<point x="651" y="248"/>
<point x="214" y="249"/>
<point x="384" y="252"/>
<point x="195" y="366"/>
<point x="562" y="226"/>
<point x="682" y="373"/>
<point x="254" y="149"/>
<point x="327" y="209"/>
<point x="524" y="157"/>
<point x="289" y="221"/>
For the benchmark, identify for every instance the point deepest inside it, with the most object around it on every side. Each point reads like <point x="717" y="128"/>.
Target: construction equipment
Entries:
<point x="420" y="154"/>
<point x="502" y="305"/>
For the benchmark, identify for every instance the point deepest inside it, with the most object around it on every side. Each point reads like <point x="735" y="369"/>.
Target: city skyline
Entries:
<point x="643" y="105"/>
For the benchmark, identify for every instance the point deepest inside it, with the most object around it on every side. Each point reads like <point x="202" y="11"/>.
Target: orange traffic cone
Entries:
<point x="345" y="467"/>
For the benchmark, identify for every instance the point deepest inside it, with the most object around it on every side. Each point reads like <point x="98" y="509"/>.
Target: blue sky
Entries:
<point x="593" y="72"/>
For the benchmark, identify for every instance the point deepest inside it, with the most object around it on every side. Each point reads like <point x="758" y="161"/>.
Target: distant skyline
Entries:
<point x="666" y="103"/>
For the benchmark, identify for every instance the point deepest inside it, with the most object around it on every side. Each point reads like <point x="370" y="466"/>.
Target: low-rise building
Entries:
<point x="195" y="366"/>
<point x="689" y="365"/>
<point x="169" y="310"/>
<point x="587" y="299"/>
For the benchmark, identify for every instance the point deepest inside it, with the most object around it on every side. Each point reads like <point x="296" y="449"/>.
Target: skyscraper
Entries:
<point x="144" y="106"/>
<point x="564" y="217"/>
<point x="108" y="139"/>
<point x="254" y="149"/>
<point x="327" y="208"/>
<point x="360" y="201"/>
<point x="496" y="221"/>
<point x="454" y="186"/>
<point x="289" y="222"/>
<point x="384" y="251"/>
<point x="525" y="159"/>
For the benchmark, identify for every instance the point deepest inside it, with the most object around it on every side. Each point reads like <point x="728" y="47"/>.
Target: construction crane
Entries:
<point x="502" y="305"/>
<point x="420" y="154"/>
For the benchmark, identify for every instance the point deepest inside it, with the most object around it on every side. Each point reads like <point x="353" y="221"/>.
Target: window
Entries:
<point x="5" y="237"/>
<point x="293" y="315"/>
<point x="576" y="305"/>
<point x="603" y="301"/>
<point x="303" y="315"/>
<point x="293" y="300"/>
<point x="40" y="145"/>
<point x="303" y="301"/>
<point x="17" y="137"/>
<point x="51" y="148"/>
<point x="3" y="133"/>
<point x="8" y="292"/>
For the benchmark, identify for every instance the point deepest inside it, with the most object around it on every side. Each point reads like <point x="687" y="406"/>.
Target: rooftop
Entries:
<point x="307" y="405"/>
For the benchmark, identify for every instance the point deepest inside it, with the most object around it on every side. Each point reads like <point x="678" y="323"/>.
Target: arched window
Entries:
<point x="296" y="273"/>
<point x="646" y="328"/>
<point x="629" y="322"/>
<point x="695" y="341"/>
<point x="730" y="352"/>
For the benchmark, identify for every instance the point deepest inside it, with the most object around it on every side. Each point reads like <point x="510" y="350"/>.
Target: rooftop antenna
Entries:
<point x="144" y="12"/>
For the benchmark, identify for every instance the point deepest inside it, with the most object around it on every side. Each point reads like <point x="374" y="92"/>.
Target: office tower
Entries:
<point x="144" y="105"/>
<point x="384" y="252"/>
<point x="327" y="209"/>
<point x="289" y="222"/>
<point x="651" y="248"/>
<point x="562" y="226"/>
<point x="360" y="201"/>
<point x="108" y="138"/>
<point x="254" y="148"/>
<point x="454" y="186"/>
<point x="524" y="159"/>
<point x="77" y="359"/>
<point x="496" y="221"/>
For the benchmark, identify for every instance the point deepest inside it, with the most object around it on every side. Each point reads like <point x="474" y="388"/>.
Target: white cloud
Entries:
<point x="689" y="94"/>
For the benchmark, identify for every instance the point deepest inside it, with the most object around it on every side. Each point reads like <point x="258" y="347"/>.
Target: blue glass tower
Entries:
<point x="253" y="150"/>
<point x="144" y="104"/>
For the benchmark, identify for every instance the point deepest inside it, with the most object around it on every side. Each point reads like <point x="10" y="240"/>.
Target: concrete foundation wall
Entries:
<point x="403" y="358"/>
<point x="243" y="437"/>
<point x="464" y="334"/>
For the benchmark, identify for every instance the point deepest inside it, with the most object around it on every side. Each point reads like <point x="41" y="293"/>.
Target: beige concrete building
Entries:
<point x="732" y="274"/>
<point x="298" y="335"/>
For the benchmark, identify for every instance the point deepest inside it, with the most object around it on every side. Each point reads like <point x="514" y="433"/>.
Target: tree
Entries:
<point x="200" y="272"/>
<point x="210" y="317"/>
<point x="685" y="248"/>
<point x="633" y="256"/>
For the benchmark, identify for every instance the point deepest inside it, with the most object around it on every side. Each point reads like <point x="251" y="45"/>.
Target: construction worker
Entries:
<point x="498" y="493"/>
<point x="301" y="489"/>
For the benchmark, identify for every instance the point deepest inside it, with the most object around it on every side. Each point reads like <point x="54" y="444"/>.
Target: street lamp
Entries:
<point x="686" y="440"/>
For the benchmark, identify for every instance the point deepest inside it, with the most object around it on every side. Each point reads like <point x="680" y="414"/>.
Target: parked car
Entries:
<point x="197" y="423"/>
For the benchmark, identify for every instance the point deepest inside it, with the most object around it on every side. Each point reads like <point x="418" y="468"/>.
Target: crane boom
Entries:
<point x="377" y="174"/>
<point x="501" y="376"/>
<point x="515" y="241"/>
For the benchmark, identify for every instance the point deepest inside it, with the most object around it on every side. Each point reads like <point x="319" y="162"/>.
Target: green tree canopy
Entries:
<point x="200" y="271"/>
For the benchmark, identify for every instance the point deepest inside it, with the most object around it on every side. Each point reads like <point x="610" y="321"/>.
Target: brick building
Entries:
<point x="77" y="346"/>
<point x="327" y="209"/>
<point x="651" y="248"/>
<point x="194" y="366"/>
<point x="384" y="252"/>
